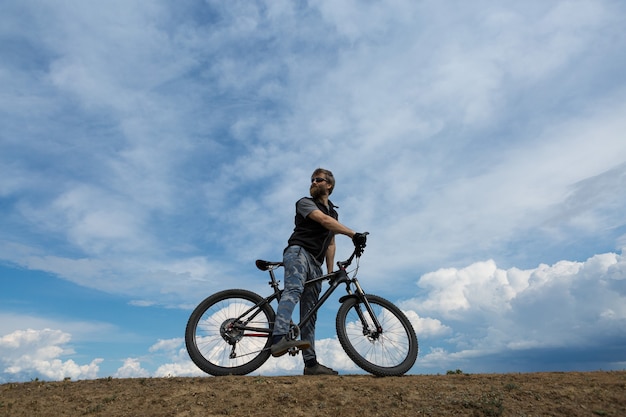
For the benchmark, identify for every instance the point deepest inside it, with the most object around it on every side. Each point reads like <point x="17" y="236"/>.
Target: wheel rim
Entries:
<point x="223" y="345"/>
<point x="386" y="349"/>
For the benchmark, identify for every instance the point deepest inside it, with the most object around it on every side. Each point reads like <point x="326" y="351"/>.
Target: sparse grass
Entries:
<point x="109" y="399"/>
<point x="94" y="409"/>
<point x="490" y="404"/>
<point x="511" y="386"/>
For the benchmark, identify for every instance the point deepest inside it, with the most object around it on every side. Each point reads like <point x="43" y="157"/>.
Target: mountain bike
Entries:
<point x="229" y="333"/>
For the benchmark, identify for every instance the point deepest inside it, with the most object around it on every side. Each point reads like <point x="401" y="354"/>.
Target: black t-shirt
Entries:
<point x="308" y="233"/>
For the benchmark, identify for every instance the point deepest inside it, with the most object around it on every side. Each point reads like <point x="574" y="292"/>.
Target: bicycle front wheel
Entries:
<point x="388" y="351"/>
<point x="227" y="335"/>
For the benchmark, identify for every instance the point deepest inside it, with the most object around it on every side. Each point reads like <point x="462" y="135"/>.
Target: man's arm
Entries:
<point x="330" y="255"/>
<point x="334" y="226"/>
<point x="330" y="223"/>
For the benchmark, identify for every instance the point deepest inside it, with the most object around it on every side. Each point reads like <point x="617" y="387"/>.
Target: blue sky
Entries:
<point x="151" y="151"/>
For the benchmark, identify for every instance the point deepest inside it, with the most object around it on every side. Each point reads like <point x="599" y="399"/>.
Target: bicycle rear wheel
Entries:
<point x="390" y="352"/>
<point x="227" y="335"/>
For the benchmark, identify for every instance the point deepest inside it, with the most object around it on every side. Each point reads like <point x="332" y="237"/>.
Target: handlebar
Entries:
<point x="358" y="251"/>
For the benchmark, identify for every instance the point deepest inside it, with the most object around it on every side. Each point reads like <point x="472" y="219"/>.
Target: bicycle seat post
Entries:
<point x="274" y="283"/>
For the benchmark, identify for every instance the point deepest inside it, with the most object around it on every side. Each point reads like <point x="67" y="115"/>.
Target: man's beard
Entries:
<point x="317" y="192"/>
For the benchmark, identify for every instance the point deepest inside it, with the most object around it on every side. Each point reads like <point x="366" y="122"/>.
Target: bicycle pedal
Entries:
<point x="293" y="351"/>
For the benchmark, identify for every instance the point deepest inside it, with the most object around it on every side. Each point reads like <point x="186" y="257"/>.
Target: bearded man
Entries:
<point x="311" y="243"/>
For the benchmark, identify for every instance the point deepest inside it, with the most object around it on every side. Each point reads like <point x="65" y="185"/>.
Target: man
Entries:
<point x="312" y="242"/>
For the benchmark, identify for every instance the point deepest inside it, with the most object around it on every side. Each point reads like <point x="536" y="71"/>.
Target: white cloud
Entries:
<point x="131" y="369"/>
<point x="185" y="368"/>
<point x="36" y="354"/>
<point x="169" y="354"/>
<point x="177" y="362"/>
<point x="427" y="327"/>
<point x="79" y="330"/>
<point x="480" y="286"/>
<point x="178" y="282"/>
<point x="495" y="312"/>
<point x="167" y="345"/>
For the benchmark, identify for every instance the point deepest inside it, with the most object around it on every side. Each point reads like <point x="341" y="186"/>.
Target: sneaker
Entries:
<point x="283" y="346"/>
<point x="319" y="369"/>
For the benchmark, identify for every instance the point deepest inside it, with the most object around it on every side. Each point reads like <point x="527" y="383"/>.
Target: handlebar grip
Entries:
<point x="360" y="239"/>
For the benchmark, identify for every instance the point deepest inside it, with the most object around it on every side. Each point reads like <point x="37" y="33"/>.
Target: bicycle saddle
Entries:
<point x="265" y="265"/>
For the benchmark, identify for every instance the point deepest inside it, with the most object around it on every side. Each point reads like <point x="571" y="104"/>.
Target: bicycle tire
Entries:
<point x="209" y="343"/>
<point x="390" y="353"/>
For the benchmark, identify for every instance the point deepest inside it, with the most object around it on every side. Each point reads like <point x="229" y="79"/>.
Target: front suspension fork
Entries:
<point x="360" y="295"/>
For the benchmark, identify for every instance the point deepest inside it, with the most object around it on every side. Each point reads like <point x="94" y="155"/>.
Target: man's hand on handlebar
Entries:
<point x="359" y="240"/>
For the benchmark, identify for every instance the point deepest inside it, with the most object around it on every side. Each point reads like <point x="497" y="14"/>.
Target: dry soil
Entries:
<point x="532" y="394"/>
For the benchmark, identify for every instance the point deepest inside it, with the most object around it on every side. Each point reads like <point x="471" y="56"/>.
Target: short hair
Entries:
<point x="329" y="177"/>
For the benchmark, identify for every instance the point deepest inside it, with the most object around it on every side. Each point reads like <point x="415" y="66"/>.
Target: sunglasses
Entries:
<point x="318" y="179"/>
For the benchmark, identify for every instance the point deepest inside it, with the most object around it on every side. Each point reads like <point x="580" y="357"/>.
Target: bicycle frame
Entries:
<point x="335" y="280"/>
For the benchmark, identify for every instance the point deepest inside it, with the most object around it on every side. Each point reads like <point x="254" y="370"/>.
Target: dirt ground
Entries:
<point x="533" y="394"/>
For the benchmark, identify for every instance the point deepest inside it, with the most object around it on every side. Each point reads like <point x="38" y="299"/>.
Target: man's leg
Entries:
<point x="295" y="262"/>
<point x="309" y="297"/>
